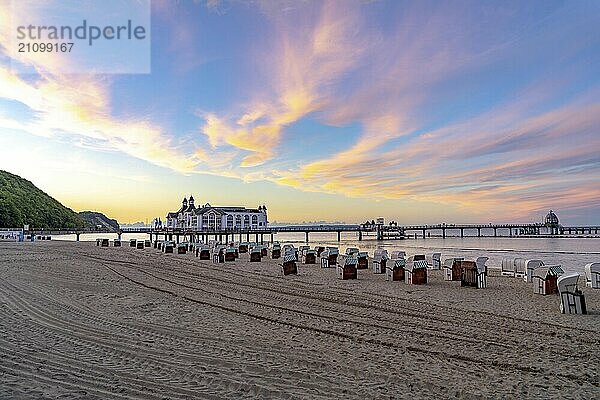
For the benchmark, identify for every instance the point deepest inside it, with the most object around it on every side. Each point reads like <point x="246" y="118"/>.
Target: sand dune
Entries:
<point x="83" y="322"/>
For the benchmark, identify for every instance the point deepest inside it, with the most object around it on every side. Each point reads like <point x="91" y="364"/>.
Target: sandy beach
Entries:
<point x="85" y="322"/>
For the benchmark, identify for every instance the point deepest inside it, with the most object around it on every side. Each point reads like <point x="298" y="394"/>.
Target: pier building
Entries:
<point x="211" y="218"/>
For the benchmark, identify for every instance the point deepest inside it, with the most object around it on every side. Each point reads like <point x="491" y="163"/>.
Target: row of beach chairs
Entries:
<point x="551" y="279"/>
<point x="545" y="279"/>
<point x="395" y="265"/>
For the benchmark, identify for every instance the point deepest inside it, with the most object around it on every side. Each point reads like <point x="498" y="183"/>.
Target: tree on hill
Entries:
<point x="21" y="203"/>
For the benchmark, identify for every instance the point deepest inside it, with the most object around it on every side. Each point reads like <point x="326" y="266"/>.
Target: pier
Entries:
<point x="362" y="231"/>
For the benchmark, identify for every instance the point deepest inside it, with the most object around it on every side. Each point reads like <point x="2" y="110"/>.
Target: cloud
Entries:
<point x="478" y="169"/>
<point x="79" y="106"/>
<point x="304" y="64"/>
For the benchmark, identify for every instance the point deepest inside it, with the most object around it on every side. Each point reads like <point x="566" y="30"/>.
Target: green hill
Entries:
<point x="21" y="202"/>
<point x="96" y="220"/>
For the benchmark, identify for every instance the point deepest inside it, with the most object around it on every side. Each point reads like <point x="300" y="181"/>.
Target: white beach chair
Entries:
<point x="397" y="255"/>
<point x="520" y="265"/>
<point x="508" y="266"/>
<point x="531" y="265"/>
<point x="452" y="269"/>
<point x="329" y="257"/>
<point x="435" y="261"/>
<point x="481" y="272"/>
<point x="592" y="275"/>
<point x="302" y="251"/>
<point x="290" y="252"/>
<point x="380" y="258"/>
<point x="572" y="300"/>
<point x="287" y="248"/>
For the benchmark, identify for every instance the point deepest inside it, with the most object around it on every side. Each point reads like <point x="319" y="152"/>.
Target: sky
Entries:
<point x="416" y="111"/>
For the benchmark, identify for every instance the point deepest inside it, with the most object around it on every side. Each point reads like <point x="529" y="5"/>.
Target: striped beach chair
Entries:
<point x="288" y="266"/>
<point x="415" y="272"/>
<point x="348" y="269"/>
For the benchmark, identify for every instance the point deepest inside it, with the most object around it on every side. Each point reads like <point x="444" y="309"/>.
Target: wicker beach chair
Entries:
<point x="592" y="275"/>
<point x="531" y="265"/>
<point x="545" y="279"/>
<point x="348" y="269"/>
<point x="481" y="272"/>
<point x="310" y="257"/>
<point x="415" y="272"/>
<point x="275" y="251"/>
<point x="329" y="257"/>
<point x="434" y="260"/>
<point x="572" y="300"/>
<point x="288" y="266"/>
<point x="218" y="254"/>
<point x="302" y="251"/>
<point x="229" y="254"/>
<point x="203" y="252"/>
<point x="508" y="266"/>
<point x="468" y="273"/>
<point x="520" y="267"/>
<point x="451" y="268"/>
<point x="380" y="257"/>
<point x="255" y="254"/>
<point x="140" y="245"/>
<point x="395" y="270"/>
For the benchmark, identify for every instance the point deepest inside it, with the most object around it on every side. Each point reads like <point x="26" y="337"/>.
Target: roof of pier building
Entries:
<point x="188" y="206"/>
<point x="223" y="210"/>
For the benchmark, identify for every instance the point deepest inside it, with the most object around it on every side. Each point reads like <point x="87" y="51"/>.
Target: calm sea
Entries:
<point x="571" y="253"/>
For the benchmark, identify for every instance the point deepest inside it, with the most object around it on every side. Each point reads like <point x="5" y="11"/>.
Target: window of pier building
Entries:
<point x="229" y="221"/>
<point x="238" y="221"/>
<point x="254" y="220"/>
<point x="246" y="220"/>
